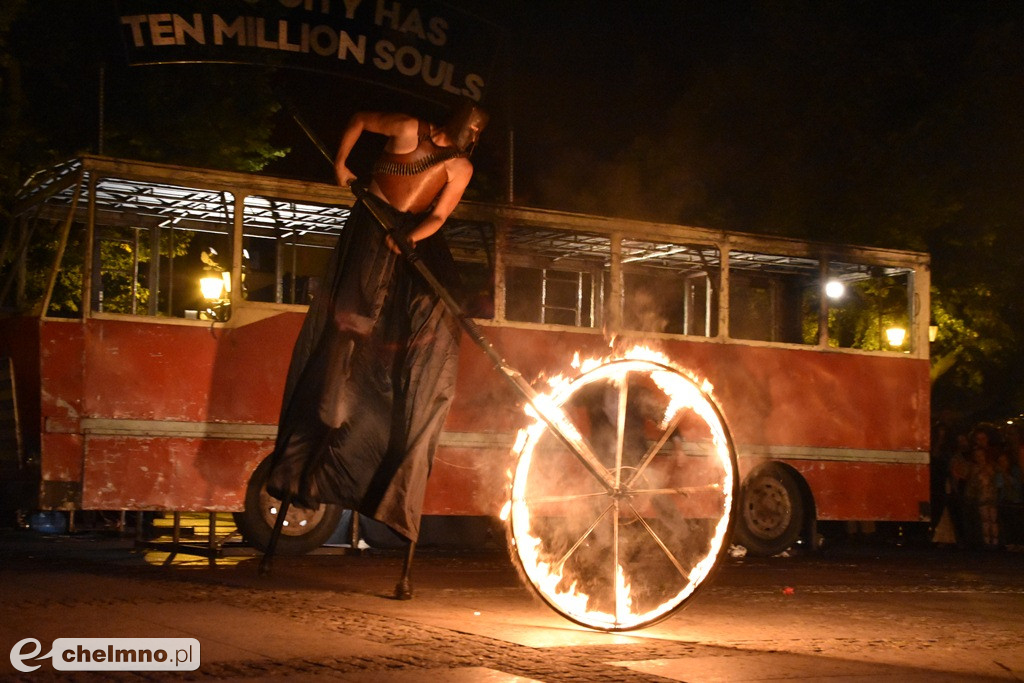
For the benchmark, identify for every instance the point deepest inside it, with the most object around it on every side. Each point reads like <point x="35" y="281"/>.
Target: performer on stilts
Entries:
<point x="372" y="374"/>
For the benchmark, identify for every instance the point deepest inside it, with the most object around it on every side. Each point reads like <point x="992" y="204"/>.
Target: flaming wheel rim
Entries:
<point x="625" y="540"/>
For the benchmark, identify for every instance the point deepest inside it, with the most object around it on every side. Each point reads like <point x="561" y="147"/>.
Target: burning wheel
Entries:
<point x="618" y="524"/>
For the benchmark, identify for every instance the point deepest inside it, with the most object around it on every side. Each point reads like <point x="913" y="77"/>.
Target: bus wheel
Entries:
<point x="304" y="530"/>
<point x="771" y="511"/>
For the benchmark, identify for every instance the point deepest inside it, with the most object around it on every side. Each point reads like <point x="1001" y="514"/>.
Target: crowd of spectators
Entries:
<point x="978" y="487"/>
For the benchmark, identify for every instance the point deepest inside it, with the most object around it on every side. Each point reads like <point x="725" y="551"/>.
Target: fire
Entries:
<point x="624" y="540"/>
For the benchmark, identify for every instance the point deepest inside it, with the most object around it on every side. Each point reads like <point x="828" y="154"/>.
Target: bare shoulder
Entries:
<point x="400" y="127"/>
<point x="459" y="169"/>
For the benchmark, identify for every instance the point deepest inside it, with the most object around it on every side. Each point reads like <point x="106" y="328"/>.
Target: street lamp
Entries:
<point x="216" y="288"/>
<point x="896" y="336"/>
<point x="834" y="289"/>
<point x="212" y="287"/>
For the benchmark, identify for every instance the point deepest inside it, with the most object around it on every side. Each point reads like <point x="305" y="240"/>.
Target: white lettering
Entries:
<point x="474" y="87"/>
<point x="135" y="21"/>
<point x="282" y="37"/>
<point x="261" y="35"/>
<point x="350" y="8"/>
<point x="438" y="33"/>
<point x="347" y="47"/>
<point x="316" y="39"/>
<point x="402" y="60"/>
<point x="385" y="58"/>
<point x="194" y="30"/>
<point x="443" y="71"/>
<point x="18" y="657"/>
<point x="161" y="29"/>
<point x="413" y="24"/>
<point x="222" y="30"/>
<point x="393" y="14"/>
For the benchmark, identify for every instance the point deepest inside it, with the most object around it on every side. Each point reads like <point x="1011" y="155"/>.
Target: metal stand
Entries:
<point x="211" y="550"/>
<point x="268" y="557"/>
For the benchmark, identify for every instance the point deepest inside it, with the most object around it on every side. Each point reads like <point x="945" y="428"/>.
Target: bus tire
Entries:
<point x="771" y="511"/>
<point x="305" y="530"/>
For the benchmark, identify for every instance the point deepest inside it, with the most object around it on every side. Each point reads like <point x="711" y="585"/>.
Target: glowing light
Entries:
<point x="896" y="336"/>
<point x="834" y="289"/>
<point x="212" y="287"/>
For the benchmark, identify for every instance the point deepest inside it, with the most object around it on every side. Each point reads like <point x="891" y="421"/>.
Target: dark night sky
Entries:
<point x="610" y="100"/>
<point x="750" y="115"/>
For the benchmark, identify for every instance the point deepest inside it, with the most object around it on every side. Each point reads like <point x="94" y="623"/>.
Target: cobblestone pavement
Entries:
<point x="920" y="615"/>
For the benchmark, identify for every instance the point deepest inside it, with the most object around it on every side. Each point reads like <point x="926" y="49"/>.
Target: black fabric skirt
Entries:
<point x="371" y="379"/>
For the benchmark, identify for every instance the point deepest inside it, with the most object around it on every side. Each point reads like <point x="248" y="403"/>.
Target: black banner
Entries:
<point x="422" y="47"/>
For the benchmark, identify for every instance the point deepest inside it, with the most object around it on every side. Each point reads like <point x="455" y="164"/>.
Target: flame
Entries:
<point x="563" y="588"/>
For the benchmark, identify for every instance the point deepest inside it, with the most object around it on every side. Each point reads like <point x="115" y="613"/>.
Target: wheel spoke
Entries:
<point x="564" y="498"/>
<point x="581" y="448"/>
<point x="561" y="426"/>
<point x="620" y="427"/>
<point x="653" y="450"/>
<point x="615" y="560"/>
<point x="661" y="544"/>
<point x="679" y="491"/>
<point x="568" y="553"/>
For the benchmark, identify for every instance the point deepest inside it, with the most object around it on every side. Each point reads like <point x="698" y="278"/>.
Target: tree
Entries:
<point x="66" y="90"/>
<point x="864" y="122"/>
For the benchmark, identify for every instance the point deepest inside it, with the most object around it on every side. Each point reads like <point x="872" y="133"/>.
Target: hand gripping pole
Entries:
<point x="553" y="417"/>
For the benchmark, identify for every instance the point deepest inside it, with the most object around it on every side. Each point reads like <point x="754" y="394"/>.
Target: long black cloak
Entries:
<point x="371" y="378"/>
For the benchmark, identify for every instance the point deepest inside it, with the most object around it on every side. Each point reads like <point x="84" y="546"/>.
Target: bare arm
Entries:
<point x="460" y="170"/>
<point x="399" y="128"/>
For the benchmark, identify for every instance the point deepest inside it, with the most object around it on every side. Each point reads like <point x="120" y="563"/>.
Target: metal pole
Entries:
<point x="101" y="103"/>
<point x="587" y="458"/>
<point x="268" y="557"/>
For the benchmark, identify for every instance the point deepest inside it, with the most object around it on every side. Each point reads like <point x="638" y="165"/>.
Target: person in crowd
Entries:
<point x="941" y="453"/>
<point x="1009" y="500"/>
<point x="956" y="490"/>
<point x="982" y="495"/>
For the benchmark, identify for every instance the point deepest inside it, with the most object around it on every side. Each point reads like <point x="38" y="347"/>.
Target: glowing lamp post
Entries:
<point x="896" y="336"/>
<point x="214" y="287"/>
<point x="834" y="289"/>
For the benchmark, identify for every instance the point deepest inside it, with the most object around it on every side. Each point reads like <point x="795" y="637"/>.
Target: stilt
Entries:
<point x="268" y="556"/>
<point x="403" y="591"/>
<point x="353" y="537"/>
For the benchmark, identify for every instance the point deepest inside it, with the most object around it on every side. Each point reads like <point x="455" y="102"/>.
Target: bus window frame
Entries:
<point x="503" y="219"/>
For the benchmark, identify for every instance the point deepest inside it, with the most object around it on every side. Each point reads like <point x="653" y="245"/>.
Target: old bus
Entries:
<point x="138" y="389"/>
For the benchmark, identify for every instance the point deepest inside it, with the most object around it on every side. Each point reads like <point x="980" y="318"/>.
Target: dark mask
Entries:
<point x="465" y="125"/>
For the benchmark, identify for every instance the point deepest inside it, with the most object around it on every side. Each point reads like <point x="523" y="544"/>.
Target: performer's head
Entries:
<point x="465" y="124"/>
